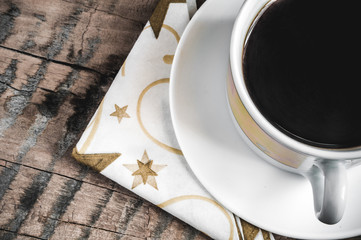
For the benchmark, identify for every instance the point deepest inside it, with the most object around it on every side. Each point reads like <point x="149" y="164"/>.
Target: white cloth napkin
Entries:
<point x="130" y="138"/>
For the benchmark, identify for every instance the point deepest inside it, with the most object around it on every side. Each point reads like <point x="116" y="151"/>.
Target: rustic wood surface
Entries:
<point x="57" y="60"/>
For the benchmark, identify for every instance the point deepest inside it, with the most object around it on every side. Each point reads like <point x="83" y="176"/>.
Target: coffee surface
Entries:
<point x="302" y="69"/>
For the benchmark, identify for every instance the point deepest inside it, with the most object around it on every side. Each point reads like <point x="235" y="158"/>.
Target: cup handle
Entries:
<point x="329" y="184"/>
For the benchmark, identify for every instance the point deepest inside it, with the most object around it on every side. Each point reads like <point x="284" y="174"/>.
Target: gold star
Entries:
<point x="120" y="112"/>
<point x="144" y="171"/>
<point x="97" y="161"/>
<point x="157" y="18"/>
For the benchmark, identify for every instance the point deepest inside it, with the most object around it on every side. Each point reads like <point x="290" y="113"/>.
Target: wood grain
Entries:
<point x="57" y="60"/>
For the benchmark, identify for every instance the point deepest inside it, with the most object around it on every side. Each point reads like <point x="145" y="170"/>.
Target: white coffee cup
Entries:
<point x="325" y="168"/>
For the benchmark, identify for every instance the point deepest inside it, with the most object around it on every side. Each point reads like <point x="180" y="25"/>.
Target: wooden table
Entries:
<point x="57" y="60"/>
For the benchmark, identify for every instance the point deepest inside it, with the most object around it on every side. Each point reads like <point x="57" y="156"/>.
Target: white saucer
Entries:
<point x="263" y="195"/>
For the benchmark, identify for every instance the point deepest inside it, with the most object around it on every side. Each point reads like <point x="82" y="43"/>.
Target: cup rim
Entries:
<point x="247" y="15"/>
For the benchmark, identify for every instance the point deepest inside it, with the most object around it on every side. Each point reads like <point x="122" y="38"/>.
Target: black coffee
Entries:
<point x="302" y="67"/>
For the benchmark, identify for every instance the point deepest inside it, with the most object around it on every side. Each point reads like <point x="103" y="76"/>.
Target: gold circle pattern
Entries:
<point x="170" y="29"/>
<point x="139" y="104"/>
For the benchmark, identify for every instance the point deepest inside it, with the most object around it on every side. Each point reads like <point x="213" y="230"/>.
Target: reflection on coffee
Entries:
<point x="302" y="68"/>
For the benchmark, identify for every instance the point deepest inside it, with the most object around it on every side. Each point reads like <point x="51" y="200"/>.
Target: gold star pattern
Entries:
<point x="168" y="59"/>
<point x="250" y="231"/>
<point x="144" y="171"/>
<point x="120" y="113"/>
<point x="97" y="161"/>
<point x="157" y="18"/>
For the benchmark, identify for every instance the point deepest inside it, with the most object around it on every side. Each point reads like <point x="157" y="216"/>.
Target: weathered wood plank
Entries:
<point x="16" y="235"/>
<point x="65" y="30"/>
<point x="57" y="60"/>
<point x="13" y="204"/>
<point x="34" y="133"/>
<point x="93" y="209"/>
<point x="164" y="226"/>
<point x="37" y="110"/>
